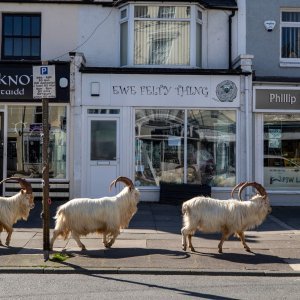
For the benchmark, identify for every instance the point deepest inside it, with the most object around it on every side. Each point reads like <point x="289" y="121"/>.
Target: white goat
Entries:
<point x="16" y="207"/>
<point x="226" y="216"/>
<point x="105" y="215"/>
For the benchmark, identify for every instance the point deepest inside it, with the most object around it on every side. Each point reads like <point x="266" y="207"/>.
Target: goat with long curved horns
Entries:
<point x="16" y="207"/>
<point x="106" y="215"/>
<point x="229" y="217"/>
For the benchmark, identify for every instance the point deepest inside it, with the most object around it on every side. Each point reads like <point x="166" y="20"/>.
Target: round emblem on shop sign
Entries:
<point x="226" y="91"/>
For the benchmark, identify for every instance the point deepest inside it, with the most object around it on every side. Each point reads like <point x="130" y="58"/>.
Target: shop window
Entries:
<point x="24" y="142"/>
<point x="281" y="151"/>
<point x="21" y="36"/>
<point x="162" y="36"/>
<point x="290" y="36"/>
<point x="200" y="150"/>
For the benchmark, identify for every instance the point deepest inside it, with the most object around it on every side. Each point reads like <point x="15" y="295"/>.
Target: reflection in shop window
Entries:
<point x="202" y="151"/>
<point x="282" y="151"/>
<point x="24" y="141"/>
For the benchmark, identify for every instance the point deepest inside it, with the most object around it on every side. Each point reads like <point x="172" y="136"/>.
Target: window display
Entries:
<point x="24" y="141"/>
<point x="185" y="146"/>
<point x="281" y="151"/>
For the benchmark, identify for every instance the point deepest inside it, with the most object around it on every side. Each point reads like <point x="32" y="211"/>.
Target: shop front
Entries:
<point x="158" y="128"/>
<point x="21" y="129"/>
<point x="277" y="121"/>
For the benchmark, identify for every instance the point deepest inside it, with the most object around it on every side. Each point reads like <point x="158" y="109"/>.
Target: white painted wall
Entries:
<point x="99" y="34"/>
<point x="59" y="26"/>
<point x="94" y="30"/>
<point x="217" y="37"/>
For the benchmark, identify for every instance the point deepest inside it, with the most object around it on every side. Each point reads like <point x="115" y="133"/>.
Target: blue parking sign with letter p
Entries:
<point x="44" y="70"/>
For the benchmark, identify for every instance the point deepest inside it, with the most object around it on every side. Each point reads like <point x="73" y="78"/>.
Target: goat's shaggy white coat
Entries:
<point x="226" y="216"/>
<point x="105" y="215"/>
<point x="13" y="209"/>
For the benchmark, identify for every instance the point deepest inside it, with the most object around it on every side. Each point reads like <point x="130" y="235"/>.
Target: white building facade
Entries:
<point x="163" y="99"/>
<point x="157" y="91"/>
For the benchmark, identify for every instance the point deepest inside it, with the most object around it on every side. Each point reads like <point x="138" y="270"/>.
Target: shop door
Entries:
<point x="103" y="162"/>
<point x="1" y="146"/>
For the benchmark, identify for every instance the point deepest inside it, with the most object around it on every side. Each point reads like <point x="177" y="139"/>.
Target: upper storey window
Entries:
<point x="161" y="36"/>
<point x="290" y="36"/>
<point x="21" y="36"/>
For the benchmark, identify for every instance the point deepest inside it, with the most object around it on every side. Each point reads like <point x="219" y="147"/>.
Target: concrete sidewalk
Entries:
<point x="152" y="245"/>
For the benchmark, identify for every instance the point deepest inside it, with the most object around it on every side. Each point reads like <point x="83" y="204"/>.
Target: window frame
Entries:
<point x="65" y="127"/>
<point x="193" y="20"/>
<point x="22" y="37"/>
<point x="184" y="139"/>
<point x="288" y="61"/>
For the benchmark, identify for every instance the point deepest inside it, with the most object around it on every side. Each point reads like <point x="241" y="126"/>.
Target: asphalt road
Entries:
<point x="129" y="286"/>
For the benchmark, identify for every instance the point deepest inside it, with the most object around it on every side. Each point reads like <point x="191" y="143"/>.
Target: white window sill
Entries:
<point x="294" y="64"/>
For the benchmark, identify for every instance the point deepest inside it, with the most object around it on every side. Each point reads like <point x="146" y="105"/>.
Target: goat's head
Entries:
<point x="129" y="184"/>
<point x="26" y="189"/>
<point x="261" y="192"/>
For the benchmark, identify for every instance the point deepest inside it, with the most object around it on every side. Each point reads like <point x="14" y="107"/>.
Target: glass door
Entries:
<point x="103" y="155"/>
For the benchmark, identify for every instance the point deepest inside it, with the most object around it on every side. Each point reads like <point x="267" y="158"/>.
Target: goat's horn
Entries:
<point x="261" y="190"/>
<point x="23" y="183"/>
<point x="125" y="180"/>
<point x="236" y="187"/>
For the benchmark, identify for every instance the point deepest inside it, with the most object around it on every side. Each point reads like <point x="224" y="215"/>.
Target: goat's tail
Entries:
<point x="185" y="209"/>
<point x="61" y="224"/>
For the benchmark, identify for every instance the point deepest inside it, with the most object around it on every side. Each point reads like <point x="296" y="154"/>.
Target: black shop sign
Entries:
<point x="16" y="83"/>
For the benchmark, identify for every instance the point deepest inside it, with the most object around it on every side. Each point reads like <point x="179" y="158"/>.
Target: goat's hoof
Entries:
<point x="248" y="249"/>
<point x="107" y="246"/>
<point x="184" y="248"/>
<point x="220" y="251"/>
<point x="193" y="249"/>
<point x="7" y="244"/>
<point x="83" y="248"/>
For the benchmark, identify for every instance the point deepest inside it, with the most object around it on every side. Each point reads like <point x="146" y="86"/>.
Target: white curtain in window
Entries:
<point x="162" y="43"/>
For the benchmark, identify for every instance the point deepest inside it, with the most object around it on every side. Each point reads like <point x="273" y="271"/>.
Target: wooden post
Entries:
<point x="45" y="174"/>
<point x="46" y="215"/>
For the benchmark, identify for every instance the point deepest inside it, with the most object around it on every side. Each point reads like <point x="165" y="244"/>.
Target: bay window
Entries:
<point x="160" y="36"/>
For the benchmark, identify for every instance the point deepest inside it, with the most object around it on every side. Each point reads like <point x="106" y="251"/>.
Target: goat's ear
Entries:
<point x="23" y="191"/>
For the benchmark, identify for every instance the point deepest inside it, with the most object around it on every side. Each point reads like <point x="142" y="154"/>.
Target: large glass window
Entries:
<point x="290" y="35"/>
<point x="21" y="36"/>
<point x="24" y="147"/>
<point x="185" y="146"/>
<point x="282" y="151"/>
<point x="162" y="35"/>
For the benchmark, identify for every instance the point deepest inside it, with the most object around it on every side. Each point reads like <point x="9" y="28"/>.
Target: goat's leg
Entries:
<point x="242" y="238"/>
<point x="183" y="237"/>
<point x="114" y="235"/>
<point x="190" y="243"/>
<point x="186" y="233"/>
<point x="107" y="237"/>
<point x="225" y="235"/>
<point x="56" y="233"/>
<point x="9" y="233"/>
<point x="1" y="229"/>
<point x="75" y="236"/>
<point x="104" y="240"/>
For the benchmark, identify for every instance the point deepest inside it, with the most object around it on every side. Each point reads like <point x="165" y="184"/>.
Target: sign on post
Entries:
<point x="44" y="87"/>
<point x="44" y="82"/>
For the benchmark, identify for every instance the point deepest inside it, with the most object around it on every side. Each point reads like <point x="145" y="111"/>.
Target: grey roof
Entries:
<point x="215" y="4"/>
